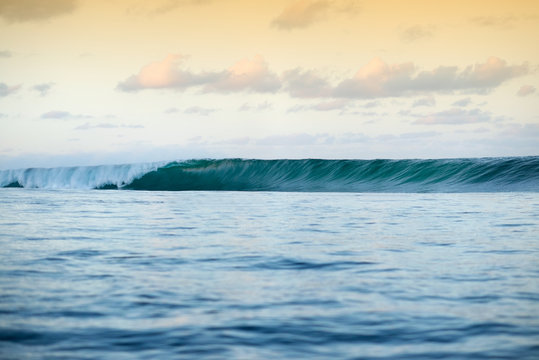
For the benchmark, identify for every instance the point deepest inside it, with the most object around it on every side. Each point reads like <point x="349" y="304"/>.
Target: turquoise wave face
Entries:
<point x="444" y="175"/>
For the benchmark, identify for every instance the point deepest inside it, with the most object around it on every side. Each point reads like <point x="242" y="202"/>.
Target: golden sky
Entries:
<point x="88" y="82"/>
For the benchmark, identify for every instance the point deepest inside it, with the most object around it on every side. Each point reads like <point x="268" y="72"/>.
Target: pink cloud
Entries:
<point x="246" y="75"/>
<point x="493" y="72"/>
<point x="379" y="79"/>
<point x="160" y="74"/>
<point x="164" y="74"/>
<point x="526" y="90"/>
<point x="376" y="79"/>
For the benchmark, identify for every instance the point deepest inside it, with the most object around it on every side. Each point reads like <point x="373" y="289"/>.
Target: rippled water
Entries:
<point x="264" y="275"/>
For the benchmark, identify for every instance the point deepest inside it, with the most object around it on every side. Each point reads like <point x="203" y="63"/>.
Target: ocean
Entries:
<point x="272" y="259"/>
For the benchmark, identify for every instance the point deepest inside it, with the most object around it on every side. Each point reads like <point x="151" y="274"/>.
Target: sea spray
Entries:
<point x="79" y="177"/>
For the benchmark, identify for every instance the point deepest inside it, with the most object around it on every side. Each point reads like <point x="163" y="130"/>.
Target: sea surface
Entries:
<point x="134" y="274"/>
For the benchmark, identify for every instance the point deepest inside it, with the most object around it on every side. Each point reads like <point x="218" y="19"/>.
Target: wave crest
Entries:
<point x="444" y="175"/>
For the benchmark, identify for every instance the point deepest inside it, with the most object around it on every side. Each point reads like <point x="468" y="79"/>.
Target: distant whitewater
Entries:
<point x="309" y="175"/>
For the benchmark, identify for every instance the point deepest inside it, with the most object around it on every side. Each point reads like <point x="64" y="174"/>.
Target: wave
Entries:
<point x="79" y="177"/>
<point x="441" y="175"/>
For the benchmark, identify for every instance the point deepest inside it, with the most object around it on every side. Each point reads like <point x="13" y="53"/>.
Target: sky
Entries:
<point x="88" y="82"/>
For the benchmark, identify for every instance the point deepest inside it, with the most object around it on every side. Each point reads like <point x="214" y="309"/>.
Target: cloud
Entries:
<point x="456" y="117"/>
<point x="159" y="7"/>
<point x="490" y="74"/>
<point x="339" y="104"/>
<point x="428" y="101"/>
<point x="418" y="32"/>
<point x="522" y="130"/>
<point x="301" y="14"/>
<point x="171" y="110"/>
<point x="56" y="114"/>
<point x="35" y="10"/>
<point x="371" y="104"/>
<point x="378" y="79"/>
<point x="246" y="75"/>
<point x="501" y="22"/>
<point x="306" y="84"/>
<point x="304" y="13"/>
<point x="63" y="115"/>
<point x="170" y="5"/>
<point x="89" y="126"/>
<point x="463" y="102"/>
<point x="197" y="110"/>
<point x="297" y="108"/>
<point x="5" y="54"/>
<point x="44" y="88"/>
<point x="6" y="90"/>
<point x="162" y="75"/>
<point x="350" y="7"/>
<point x="526" y="90"/>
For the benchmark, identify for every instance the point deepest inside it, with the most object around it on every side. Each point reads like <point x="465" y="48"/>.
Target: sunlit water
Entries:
<point x="264" y="275"/>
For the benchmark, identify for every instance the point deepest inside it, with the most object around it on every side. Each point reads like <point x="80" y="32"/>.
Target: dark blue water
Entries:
<point x="268" y="275"/>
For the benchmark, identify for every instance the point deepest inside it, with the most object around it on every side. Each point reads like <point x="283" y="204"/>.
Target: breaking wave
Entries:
<point x="442" y="175"/>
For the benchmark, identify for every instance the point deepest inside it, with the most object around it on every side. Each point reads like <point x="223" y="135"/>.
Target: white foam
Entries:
<point x="83" y="177"/>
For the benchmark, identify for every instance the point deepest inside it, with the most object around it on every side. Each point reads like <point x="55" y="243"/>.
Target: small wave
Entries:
<point x="443" y="175"/>
<point x="292" y="264"/>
